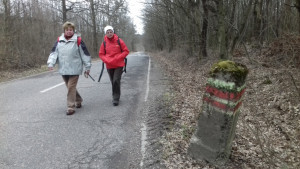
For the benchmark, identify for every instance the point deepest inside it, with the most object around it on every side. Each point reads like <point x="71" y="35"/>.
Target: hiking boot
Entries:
<point x="70" y="111"/>
<point x="78" y="105"/>
<point x="115" y="102"/>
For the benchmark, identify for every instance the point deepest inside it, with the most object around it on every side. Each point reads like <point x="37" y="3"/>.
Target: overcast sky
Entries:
<point x="135" y="8"/>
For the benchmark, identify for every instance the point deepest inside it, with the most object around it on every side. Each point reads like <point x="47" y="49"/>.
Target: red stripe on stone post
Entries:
<point x="221" y="105"/>
<point x="224" y="95"/>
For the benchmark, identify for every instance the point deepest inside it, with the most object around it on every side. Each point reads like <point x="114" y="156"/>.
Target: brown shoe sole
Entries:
<point x="70" y="112"/>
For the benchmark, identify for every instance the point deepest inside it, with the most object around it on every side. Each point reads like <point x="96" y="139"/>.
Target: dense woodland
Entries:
<point x="29" y="28"/>
<point x="198" y="26"/>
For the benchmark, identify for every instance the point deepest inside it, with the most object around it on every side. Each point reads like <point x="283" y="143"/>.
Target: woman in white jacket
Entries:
<point x="71" y="54"/>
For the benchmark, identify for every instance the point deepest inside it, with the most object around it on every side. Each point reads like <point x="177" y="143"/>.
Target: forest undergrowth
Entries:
<point x="268" y="132"/>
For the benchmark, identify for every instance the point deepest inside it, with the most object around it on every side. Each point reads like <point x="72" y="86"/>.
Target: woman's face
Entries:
<point x="109" y="33"/>
<point x="69" y="31"/>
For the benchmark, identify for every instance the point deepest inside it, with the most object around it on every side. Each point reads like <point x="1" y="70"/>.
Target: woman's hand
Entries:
<point x="86" y="73"/>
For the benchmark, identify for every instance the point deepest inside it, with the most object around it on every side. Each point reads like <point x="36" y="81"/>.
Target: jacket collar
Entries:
<point x="115" y="37"/>
<point x="73" y="38"/>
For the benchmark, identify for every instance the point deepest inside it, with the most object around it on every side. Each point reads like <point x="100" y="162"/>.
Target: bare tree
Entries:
<point x="221" y="30"/>
<point x="7" y="40"/>
<point x="297" y="5"/>
<point x="94" y="26"/>
<point x="64" y="10"/>
<point x="213" y="23"/>
<point x="28" y="28"/>
<point x="203" y="37"/>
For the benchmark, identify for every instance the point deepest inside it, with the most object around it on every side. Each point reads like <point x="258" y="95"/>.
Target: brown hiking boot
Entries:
<point x="78" y="105"/>
<point x="70" y="111"/>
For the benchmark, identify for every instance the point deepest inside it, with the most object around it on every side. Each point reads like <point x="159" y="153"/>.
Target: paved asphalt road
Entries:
<point x="36" y="133"/>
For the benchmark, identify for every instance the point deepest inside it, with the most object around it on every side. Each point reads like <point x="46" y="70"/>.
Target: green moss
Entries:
<point x="236" y="70"/>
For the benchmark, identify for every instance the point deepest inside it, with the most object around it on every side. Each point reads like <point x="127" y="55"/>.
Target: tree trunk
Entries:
<point x="287" y="25"/>
<point x="108" y="12"/>
<point x="64" y="11"/>
<point x="257" y="19"/>
<point x="298" y="9"/>
<point x="277" y="18"/>
<point x="203" y="36"/>
<point x="223" y="54"/>
<point x="94" y="27"/>
<point x="7" y="35"/>
<point x="266" y="24"/>
<point x="241" y="32"/>
<point x="191" y="31"/>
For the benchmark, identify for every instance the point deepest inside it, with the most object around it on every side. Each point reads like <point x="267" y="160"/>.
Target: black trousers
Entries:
<point x="115" y="79"/>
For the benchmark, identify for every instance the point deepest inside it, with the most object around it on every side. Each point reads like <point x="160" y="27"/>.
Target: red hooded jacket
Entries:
<point x="112" y="55"/>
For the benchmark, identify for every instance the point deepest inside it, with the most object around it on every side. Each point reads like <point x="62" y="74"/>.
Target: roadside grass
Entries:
<point x="8" y="75"/>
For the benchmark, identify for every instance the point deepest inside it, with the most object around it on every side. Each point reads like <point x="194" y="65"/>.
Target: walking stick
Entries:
<point x="125" y="65"/>
<point x="88" y="75"/>
<point x="91" y="77"/>
<point x="101" y="72"/>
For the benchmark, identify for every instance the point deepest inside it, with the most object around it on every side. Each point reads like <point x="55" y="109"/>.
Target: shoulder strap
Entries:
<point x="104" y="43"/>
<point x="78" y="40"/>
<point x="119" y="44"/>
<point x="119" y="41"/>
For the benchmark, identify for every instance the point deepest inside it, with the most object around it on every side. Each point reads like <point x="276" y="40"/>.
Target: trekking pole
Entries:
<point x="88" y="75"/>
<point x="101" y="72"/>
<point x="91" y="77"/>
<point x="125" y="65"/>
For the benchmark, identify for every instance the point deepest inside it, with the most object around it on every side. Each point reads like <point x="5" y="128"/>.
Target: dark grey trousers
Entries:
<point x="115" y="79"/>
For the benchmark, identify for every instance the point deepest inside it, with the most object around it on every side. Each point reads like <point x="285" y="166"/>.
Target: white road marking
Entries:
<point x="50" y="88"/>
<point x="144" y="137"/>
<point x="144" y="127"/>
<point x="148" y="79"/>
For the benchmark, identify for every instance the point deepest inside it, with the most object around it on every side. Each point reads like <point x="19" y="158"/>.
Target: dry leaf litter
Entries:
<point x="268" y="132"/>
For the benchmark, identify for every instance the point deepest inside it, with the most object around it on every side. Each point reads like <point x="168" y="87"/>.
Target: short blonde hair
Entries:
<point x="68" y="24"/>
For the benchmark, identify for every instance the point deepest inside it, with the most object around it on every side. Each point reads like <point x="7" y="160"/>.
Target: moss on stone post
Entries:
<point x="222" y="99"/>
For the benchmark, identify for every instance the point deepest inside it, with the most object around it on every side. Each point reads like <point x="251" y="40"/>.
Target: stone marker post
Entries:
<point x="217" y="122"/>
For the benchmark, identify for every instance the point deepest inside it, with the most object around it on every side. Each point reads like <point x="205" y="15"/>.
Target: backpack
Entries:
<point x="125" y="60"/>
<point x="78" y="40"/>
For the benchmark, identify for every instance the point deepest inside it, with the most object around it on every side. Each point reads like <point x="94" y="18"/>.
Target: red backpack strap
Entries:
<point x="78" y="40"/>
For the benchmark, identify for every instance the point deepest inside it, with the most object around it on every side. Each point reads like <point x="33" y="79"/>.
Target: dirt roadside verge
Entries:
<point x="17" y="74"/>
<point x="268" y="131"/>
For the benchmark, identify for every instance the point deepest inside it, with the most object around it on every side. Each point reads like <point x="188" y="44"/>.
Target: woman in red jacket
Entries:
<point x="112" y="52"/>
